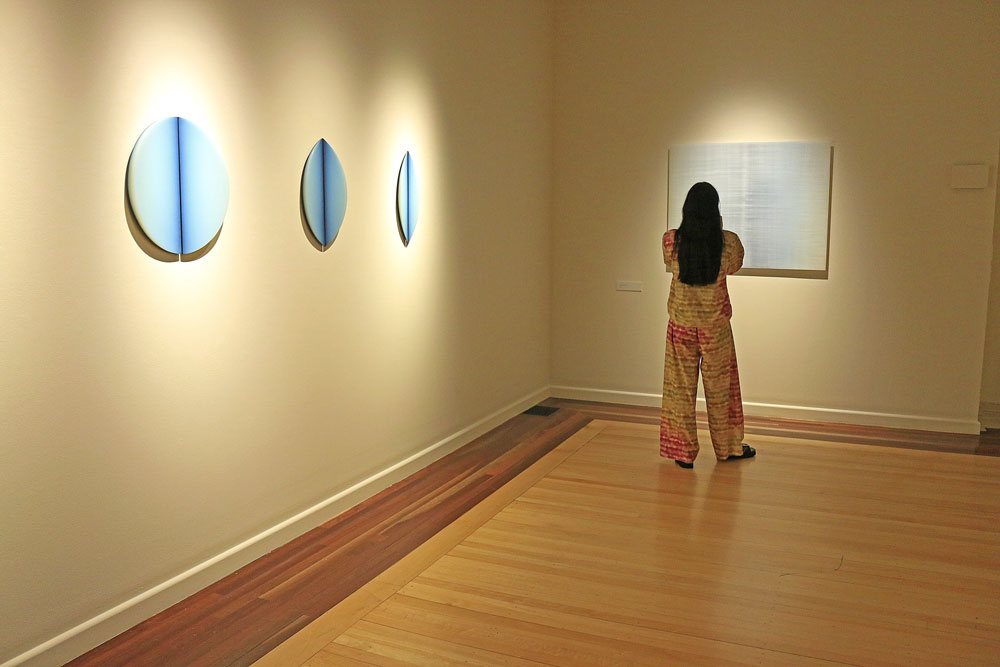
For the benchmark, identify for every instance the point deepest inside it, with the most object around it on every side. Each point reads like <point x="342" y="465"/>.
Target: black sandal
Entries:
<point x="684" y="464"/>
<point x="748" y="453"/>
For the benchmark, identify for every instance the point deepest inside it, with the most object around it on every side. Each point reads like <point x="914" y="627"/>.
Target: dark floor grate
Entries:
<point x="540" y="410"/>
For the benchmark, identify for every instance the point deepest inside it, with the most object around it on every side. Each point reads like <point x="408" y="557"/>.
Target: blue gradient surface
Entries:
<point x="324" y="193"/>
<point x="407" y="199"/>
<point x="177" y="185"/>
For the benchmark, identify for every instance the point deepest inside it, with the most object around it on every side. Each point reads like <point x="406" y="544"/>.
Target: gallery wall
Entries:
<point x="902" y="89"/>
<point x="156" y="414"/>
<point x="163" y="422"/>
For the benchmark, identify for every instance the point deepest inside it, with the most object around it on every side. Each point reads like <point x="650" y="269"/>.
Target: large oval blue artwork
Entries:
<point x="177" y="185"/>
<point x="324" y="193"/>
<point x="406" y="199"/>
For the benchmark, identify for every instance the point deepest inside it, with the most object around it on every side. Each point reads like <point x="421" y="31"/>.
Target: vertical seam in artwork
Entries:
<point x="322" y="155"/>
<point x="180" y="188"/>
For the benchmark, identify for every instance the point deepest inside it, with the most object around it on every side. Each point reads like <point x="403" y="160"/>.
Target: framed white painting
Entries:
<point x="774" y="195"/>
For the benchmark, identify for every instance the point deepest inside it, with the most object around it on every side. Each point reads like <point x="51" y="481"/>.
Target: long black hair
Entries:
<point x="698" y="241"/>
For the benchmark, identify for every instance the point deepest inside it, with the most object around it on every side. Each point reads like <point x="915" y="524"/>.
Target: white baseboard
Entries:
<point x="989" y="414"/>
<point x="606" y="396"/>
<point x="95" y="631"/>
<point x="859" y="417"/>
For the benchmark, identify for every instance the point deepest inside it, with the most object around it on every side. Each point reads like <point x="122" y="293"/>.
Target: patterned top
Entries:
<point x="702" y="305"/>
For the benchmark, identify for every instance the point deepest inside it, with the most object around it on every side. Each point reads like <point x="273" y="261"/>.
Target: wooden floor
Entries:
<point x="245" y="615"/>
<point x="985" y="444"/>
<point x="602" y="553"/>
<point x="361" y="558"/>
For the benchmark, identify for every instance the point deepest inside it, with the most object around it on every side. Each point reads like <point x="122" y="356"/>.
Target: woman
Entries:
<point x="700" y="254"/>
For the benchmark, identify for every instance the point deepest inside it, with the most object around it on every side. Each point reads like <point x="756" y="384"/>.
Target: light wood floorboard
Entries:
<point x="602" y="553"/>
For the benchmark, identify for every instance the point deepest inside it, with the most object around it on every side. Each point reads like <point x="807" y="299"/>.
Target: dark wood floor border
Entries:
<point x="984" y="444"/>
<point x="243" y="616"/>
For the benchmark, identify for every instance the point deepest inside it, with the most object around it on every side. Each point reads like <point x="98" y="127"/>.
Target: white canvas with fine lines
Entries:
<point x="775" y="196"/>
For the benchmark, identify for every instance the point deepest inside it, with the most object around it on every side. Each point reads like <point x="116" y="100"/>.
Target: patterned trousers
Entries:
<point x="689" y="348"/>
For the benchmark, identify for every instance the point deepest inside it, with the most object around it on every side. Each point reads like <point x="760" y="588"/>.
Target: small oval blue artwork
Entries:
<point x="178" y="186"/>
<point x="324" y="193"/>
<point x="406" y="199"/>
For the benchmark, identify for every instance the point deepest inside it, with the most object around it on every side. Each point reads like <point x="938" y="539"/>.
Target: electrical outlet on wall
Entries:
<point x="628" y="286"/>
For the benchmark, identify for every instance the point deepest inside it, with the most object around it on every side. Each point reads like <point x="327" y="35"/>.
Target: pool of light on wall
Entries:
<point x="324" y="193"/>
<point x="177" y="185"/>
<point x="406" y="199"/>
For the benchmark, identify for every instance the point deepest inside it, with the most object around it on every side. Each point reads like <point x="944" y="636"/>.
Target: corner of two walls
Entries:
<point x="989" y="411"/>
<point x="902" y="90"/>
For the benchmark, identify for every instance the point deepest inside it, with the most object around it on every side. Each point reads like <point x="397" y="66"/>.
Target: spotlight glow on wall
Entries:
<point x="406" y="199"/>
<point x="178" y="186"/>
<point x="324" y="193"/>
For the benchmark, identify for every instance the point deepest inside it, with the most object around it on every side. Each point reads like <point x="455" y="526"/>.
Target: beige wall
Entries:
<point x="902" y="89"/>
<point x="153" y="415"/>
